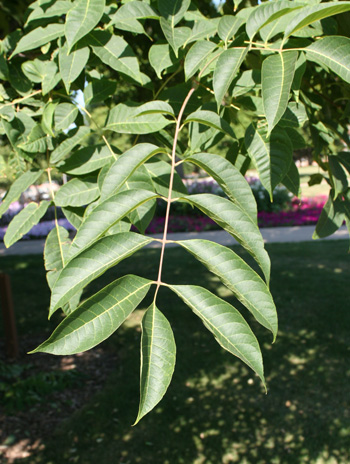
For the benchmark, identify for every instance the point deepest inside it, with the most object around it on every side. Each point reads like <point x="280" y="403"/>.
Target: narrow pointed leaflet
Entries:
<point x="97" y="318"/>
<point x="158" y="352"/>
<point x="93" y="262"/>
<point x="276" y="80"/>
<point x="228" y="326"/>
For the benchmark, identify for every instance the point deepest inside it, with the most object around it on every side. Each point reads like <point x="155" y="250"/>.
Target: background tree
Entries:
<point x="165" y="85"/>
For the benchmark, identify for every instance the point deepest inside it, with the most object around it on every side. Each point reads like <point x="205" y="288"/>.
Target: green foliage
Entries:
<point x="260" y="77"/>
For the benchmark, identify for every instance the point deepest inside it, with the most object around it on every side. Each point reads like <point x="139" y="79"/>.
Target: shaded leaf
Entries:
<point x="158" y="351"/>
<point x="211" y="119"/>
<point x="292" y="180"/>
<point x="226" y="323"/>
<point x="35" y="142"/>
<point x="331" y="218"/>
<point x="86" y="160"/>
<point x="160" y="174"/>
<point x="72" y="64"/>
<point x="176" y="36"/>
<point x="173" y="10"/>
<point x="38" y="37"/>
<point x="126" y="17"/>
<point x="161" y="57"/>
<point x="67" y="145"/>
<point x="228" y="26"/>
<point x="197" y="56"/>
<point x="65" y="115"/>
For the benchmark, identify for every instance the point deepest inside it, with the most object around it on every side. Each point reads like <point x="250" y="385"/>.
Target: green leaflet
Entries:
<point x="59" y="8"/>
<point x="268" y="12"/>
<point x="36" y="142"/>
<point x="38" y="37"/>
<point x="97" y="318"/>
<point x="292" y="180"/>
<point x="126" y="17"/>
<point x="126" y="165"/>
<point x="241" y="279"/>
<point x="81" y="19"/>
<point x="272" y="155"/>
<point x="228" y="26"/>
<point x="93" y="262"/>
<point x="338" y="176"/>
<point x="332" y="217"/>
<point x="314" y="13"/>
<point x="67" y="145"/>
<point x="226" y="69"/>
<point x="126" y="120"/>
<point x="235" y="221"/>
<point x="99" y="90"/>
<point x="176" y="36"/>
<point x="56" y="249"/>
<point x="78" y="192"/>
<point x="294" y="116"/>
<point x="105" y="215"/>
<point x="160" y="174"/>
<point x="211" y="119"/>
<point x="230" y="179"/>
<point x="333" y="52"/>
<point x="18" y="187"/>
<point x="276" y="80"/>
<point x="173" y="10"/>
<point x="65" y="115"/>
<point x="226" y="323"/>
<point x="86" y="160"/>
<point x="72" y="64"/>
<point x="115" y="52"/>
<point x="47" y="118"/>
<point x="158" y="351"/>
<point x="24" y="221"/>
<point x="197" y="56"/>
<point x="161" y="57"/>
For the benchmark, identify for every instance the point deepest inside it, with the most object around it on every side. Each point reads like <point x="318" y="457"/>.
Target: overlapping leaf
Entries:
<point x="105" y="215"/>
<point x="93" y="262"/>
<point x="67" y="145"/>
<point x="86" y="160"/>
<point x="158" y="352"/>
<point x="38" y="37"/>
<point x="78" y="192"/>
<point x="72" y="64"/>
<point x="197" y="55"/>
<point x="211" y="119"/>
<point x="235" y="221"/>
<point x="97" y="318"/>
<point x="127" y="16"/>
<point x="226" y="323"/>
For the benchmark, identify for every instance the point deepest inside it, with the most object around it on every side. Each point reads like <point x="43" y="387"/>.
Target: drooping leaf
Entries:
<point x="230" y="179"/>
<point x="266" y="13"/>
<point x="272" y="154"/>
<point x="344" y="158"/>
<point x="161" y="57"/>
<point x="173" y="10"/>
<point x="125" y="166"/>
<point x="24" y="221"/>
<point x="56" y="249"/>
<point x="226" y="323"/>
<point x="99" y="90"/>
<point x="86" y="160"/>
<point x="197" y="56"/>
<point x="97" y="318"/>
<point x="211" y="119"/>
<point x="38" y="37"/>
<point x="294" y="116"/>
<point x="314" y="13"/>
<point x="67" y="145"/>
<point x="93" y="262"/>
<point x="333" y="52"/>
<point x="105" y="215"/>
<point x="81" y="19"/>
<point x="176" y="36"/>
<point x="125" y="120"/>
<point x="47" y="118"/>
<point x="18" y="187"/>
<point x="292" y="180"/>
<point x="331" y="218"/>
<point x="277" y="77"/>
<point x="226" y="69"/>
<point x="59" y="8"/>
<point x="160" y="172"/>
<point x="36" y="142"/>
<point x="72" y="64"/>
<point x="236" y="222"/>
<point x="228" y="26"/>
<point x="338" y="176"/>
<point x="65" y="115"/>
<point x="246" y="284"/>
<point x="74" y="215"/>
<point x="158" y="351"/>
<point x="127" y="16"/>
<point x="78" y="192"/>
<point x="115" y="52"/>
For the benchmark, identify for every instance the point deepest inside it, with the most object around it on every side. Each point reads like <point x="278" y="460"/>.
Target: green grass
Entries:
<point x="216" y="410"/>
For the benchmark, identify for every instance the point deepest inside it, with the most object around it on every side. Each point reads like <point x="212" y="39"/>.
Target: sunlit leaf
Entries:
<point x="77" y="192"/>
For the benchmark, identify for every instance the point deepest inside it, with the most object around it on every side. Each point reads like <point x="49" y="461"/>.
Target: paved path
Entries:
<point x="270" y="235"/>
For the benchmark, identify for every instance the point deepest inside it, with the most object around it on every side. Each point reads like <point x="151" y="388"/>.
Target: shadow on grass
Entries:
<point x="215" y="410"/>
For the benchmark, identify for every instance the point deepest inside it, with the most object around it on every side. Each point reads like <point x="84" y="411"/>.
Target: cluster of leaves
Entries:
<point x="203" y="78"/>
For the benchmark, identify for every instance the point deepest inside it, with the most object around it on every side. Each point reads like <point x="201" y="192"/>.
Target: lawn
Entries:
<point x="216" y="410"/>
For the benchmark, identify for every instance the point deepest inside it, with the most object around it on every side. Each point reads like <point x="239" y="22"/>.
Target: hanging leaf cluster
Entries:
<point x="116" y="97"/>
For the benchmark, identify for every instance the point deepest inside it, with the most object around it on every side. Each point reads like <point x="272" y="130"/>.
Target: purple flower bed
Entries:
<point x="41" y="230"/>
